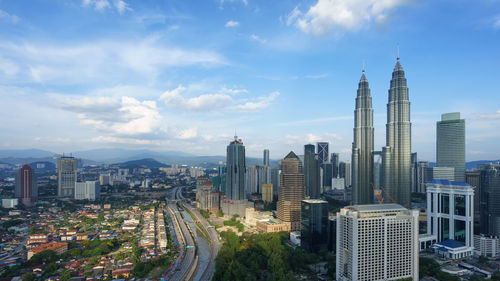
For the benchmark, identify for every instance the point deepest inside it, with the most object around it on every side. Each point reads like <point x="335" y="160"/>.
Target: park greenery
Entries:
<point x="430" y="267"/>
<point x="234" y="222"/>
<point x="265" y="256"/>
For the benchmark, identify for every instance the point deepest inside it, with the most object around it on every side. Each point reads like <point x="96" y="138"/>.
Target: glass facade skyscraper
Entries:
<point x="314" y="225"/>
<point x="236" y="167"/>
<point x="311" y="172"/>
<point x="450" y="144"/>
<point x="362" y="147"/>
<point x="396" y="155"/>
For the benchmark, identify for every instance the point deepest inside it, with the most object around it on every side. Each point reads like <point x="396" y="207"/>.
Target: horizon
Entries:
<point x="183" y="76"/>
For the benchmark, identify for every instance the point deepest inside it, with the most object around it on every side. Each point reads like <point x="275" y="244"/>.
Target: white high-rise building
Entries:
<point x="90" y="190"/>
<point x="377" y="242"/>
<point x="450" y="216"/>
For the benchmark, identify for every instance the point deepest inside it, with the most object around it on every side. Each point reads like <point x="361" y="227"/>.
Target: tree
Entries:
<point x="29" y="277"/>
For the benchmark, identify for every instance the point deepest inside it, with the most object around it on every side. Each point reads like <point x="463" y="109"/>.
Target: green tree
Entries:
<point x="29" y="276"/>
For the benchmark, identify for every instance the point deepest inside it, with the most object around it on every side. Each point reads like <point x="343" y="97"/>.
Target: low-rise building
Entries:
<point x="272" y="225"/>
<point x="10" y="203"/>
<point x="252" y="216"/>
<point x="488" y="246"/>
<point x="58" y="247"/>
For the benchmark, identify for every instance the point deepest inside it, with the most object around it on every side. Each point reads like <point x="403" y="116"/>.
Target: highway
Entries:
<point x="187" y="246"/>
<point x="214" y="243"/>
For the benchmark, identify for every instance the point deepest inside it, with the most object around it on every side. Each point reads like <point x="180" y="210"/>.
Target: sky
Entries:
<point x="187" y="75"/>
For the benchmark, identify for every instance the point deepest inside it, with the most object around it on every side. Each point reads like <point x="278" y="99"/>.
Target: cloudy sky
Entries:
<point x="185" y="75"/>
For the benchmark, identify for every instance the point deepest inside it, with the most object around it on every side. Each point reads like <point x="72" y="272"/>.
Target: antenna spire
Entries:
<point x="398" y="51"/>
<point x="363" y="66"/>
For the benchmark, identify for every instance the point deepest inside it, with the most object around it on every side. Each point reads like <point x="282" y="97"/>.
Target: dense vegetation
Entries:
<point x="430" y="267"/>
<point x="234" y="222"/>
<point x="263" y="257"/>
<point x="142" y="269"/>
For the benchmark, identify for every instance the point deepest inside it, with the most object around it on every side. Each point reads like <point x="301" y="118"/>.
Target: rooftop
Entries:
<point x="453" y="244"/>
<point x="377" y="207"/>
<point x="448" y="182"/>
<point x="315" y="201"/>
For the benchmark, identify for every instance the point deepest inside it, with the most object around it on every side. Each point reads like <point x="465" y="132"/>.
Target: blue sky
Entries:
<point x="184" y="75"/>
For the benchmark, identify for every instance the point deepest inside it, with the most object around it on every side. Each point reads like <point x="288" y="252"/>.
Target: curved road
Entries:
<point x="214" y="243"/>
<point x="188" y="253"/>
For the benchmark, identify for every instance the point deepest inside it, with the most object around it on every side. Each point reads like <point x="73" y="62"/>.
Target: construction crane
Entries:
<point x="380" y="198"/>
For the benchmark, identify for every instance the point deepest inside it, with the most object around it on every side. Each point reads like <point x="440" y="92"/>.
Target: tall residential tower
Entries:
<point x="66" y="167"/>
<point x="362" y="147"/>
<point x="396" y="155"/>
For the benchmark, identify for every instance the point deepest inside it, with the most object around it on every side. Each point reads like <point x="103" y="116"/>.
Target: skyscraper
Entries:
<point x="266" y="157"/>
<point x="362" y="147"/>
<point x="335" y="164"/>
<point x="291" y="191"/>
<point x="311" y="171"/>
<point x="396" y="155"/>
<point x="314" y="225"/>
<point x="377" y="242"/>
<point x="66" y="167"/>
<point x="322" y="152"/>
<point x="26" y="185"/>
<point x="450" y="143"/>
<point x="236" y="167"/>
<point x="490" y="196"/>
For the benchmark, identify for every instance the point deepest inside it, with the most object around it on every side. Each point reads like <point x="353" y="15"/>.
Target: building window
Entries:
<point x="445" y="203"/>
<point x="460" y="231"/>
<point x="445" y="229"/>
<point x="460" y="205"/>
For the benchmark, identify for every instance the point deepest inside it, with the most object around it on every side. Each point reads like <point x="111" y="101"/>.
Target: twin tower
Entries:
<point x="395" y="173"/>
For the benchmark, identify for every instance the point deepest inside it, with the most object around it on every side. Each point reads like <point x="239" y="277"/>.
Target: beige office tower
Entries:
<point x="267" y="192"/>
<point x="291" y="191"/>
<point x="377" y="242"/>
<point x="66" y="171"/>
<point x="396" y="155"/>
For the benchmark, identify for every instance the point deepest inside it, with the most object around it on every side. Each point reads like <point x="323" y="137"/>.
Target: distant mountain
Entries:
<point x="142" y="163"/>
<point x="114" y="155"/>
<point x="25" y="153"/>
<point x="474" y="164"/>
<point x="42" y="166"/>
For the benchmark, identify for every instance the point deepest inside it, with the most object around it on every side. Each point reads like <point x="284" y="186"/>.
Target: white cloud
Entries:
<point x="340" y="15"/>
<point x="232" y="23"/>
<point x="496" y="23"/>
<point x="257" y="38"/>
<point x="293" y="15"/>
<point x="207" y="102"/>
<point x="221" y="100"/>
<point x="105" y="61"/>
<point x="495" y="115"/>
<point x="188" y="133"/>
<point x="101" y="5"/>
<point x="8" y="67"/>
<point x="118" y="116"/>
<point x="221" y="2"/>
<point x="98" y="5"/>
<point x="263" y="102"/>
<point x="225" y="90"/>
<point x="122" y="6"/>
<point x="317" y="76"/>
<point x="8" y="17"/>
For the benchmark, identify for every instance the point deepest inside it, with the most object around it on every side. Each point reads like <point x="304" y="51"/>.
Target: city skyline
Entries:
<point x="167" y="82"/>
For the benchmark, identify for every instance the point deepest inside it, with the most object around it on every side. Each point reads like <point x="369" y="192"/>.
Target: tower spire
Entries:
<point x="398" y="52"/>
<point x="363" y="66"/>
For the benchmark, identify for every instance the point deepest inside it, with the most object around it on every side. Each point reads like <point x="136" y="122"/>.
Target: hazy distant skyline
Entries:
<point x="184" y="75"/>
